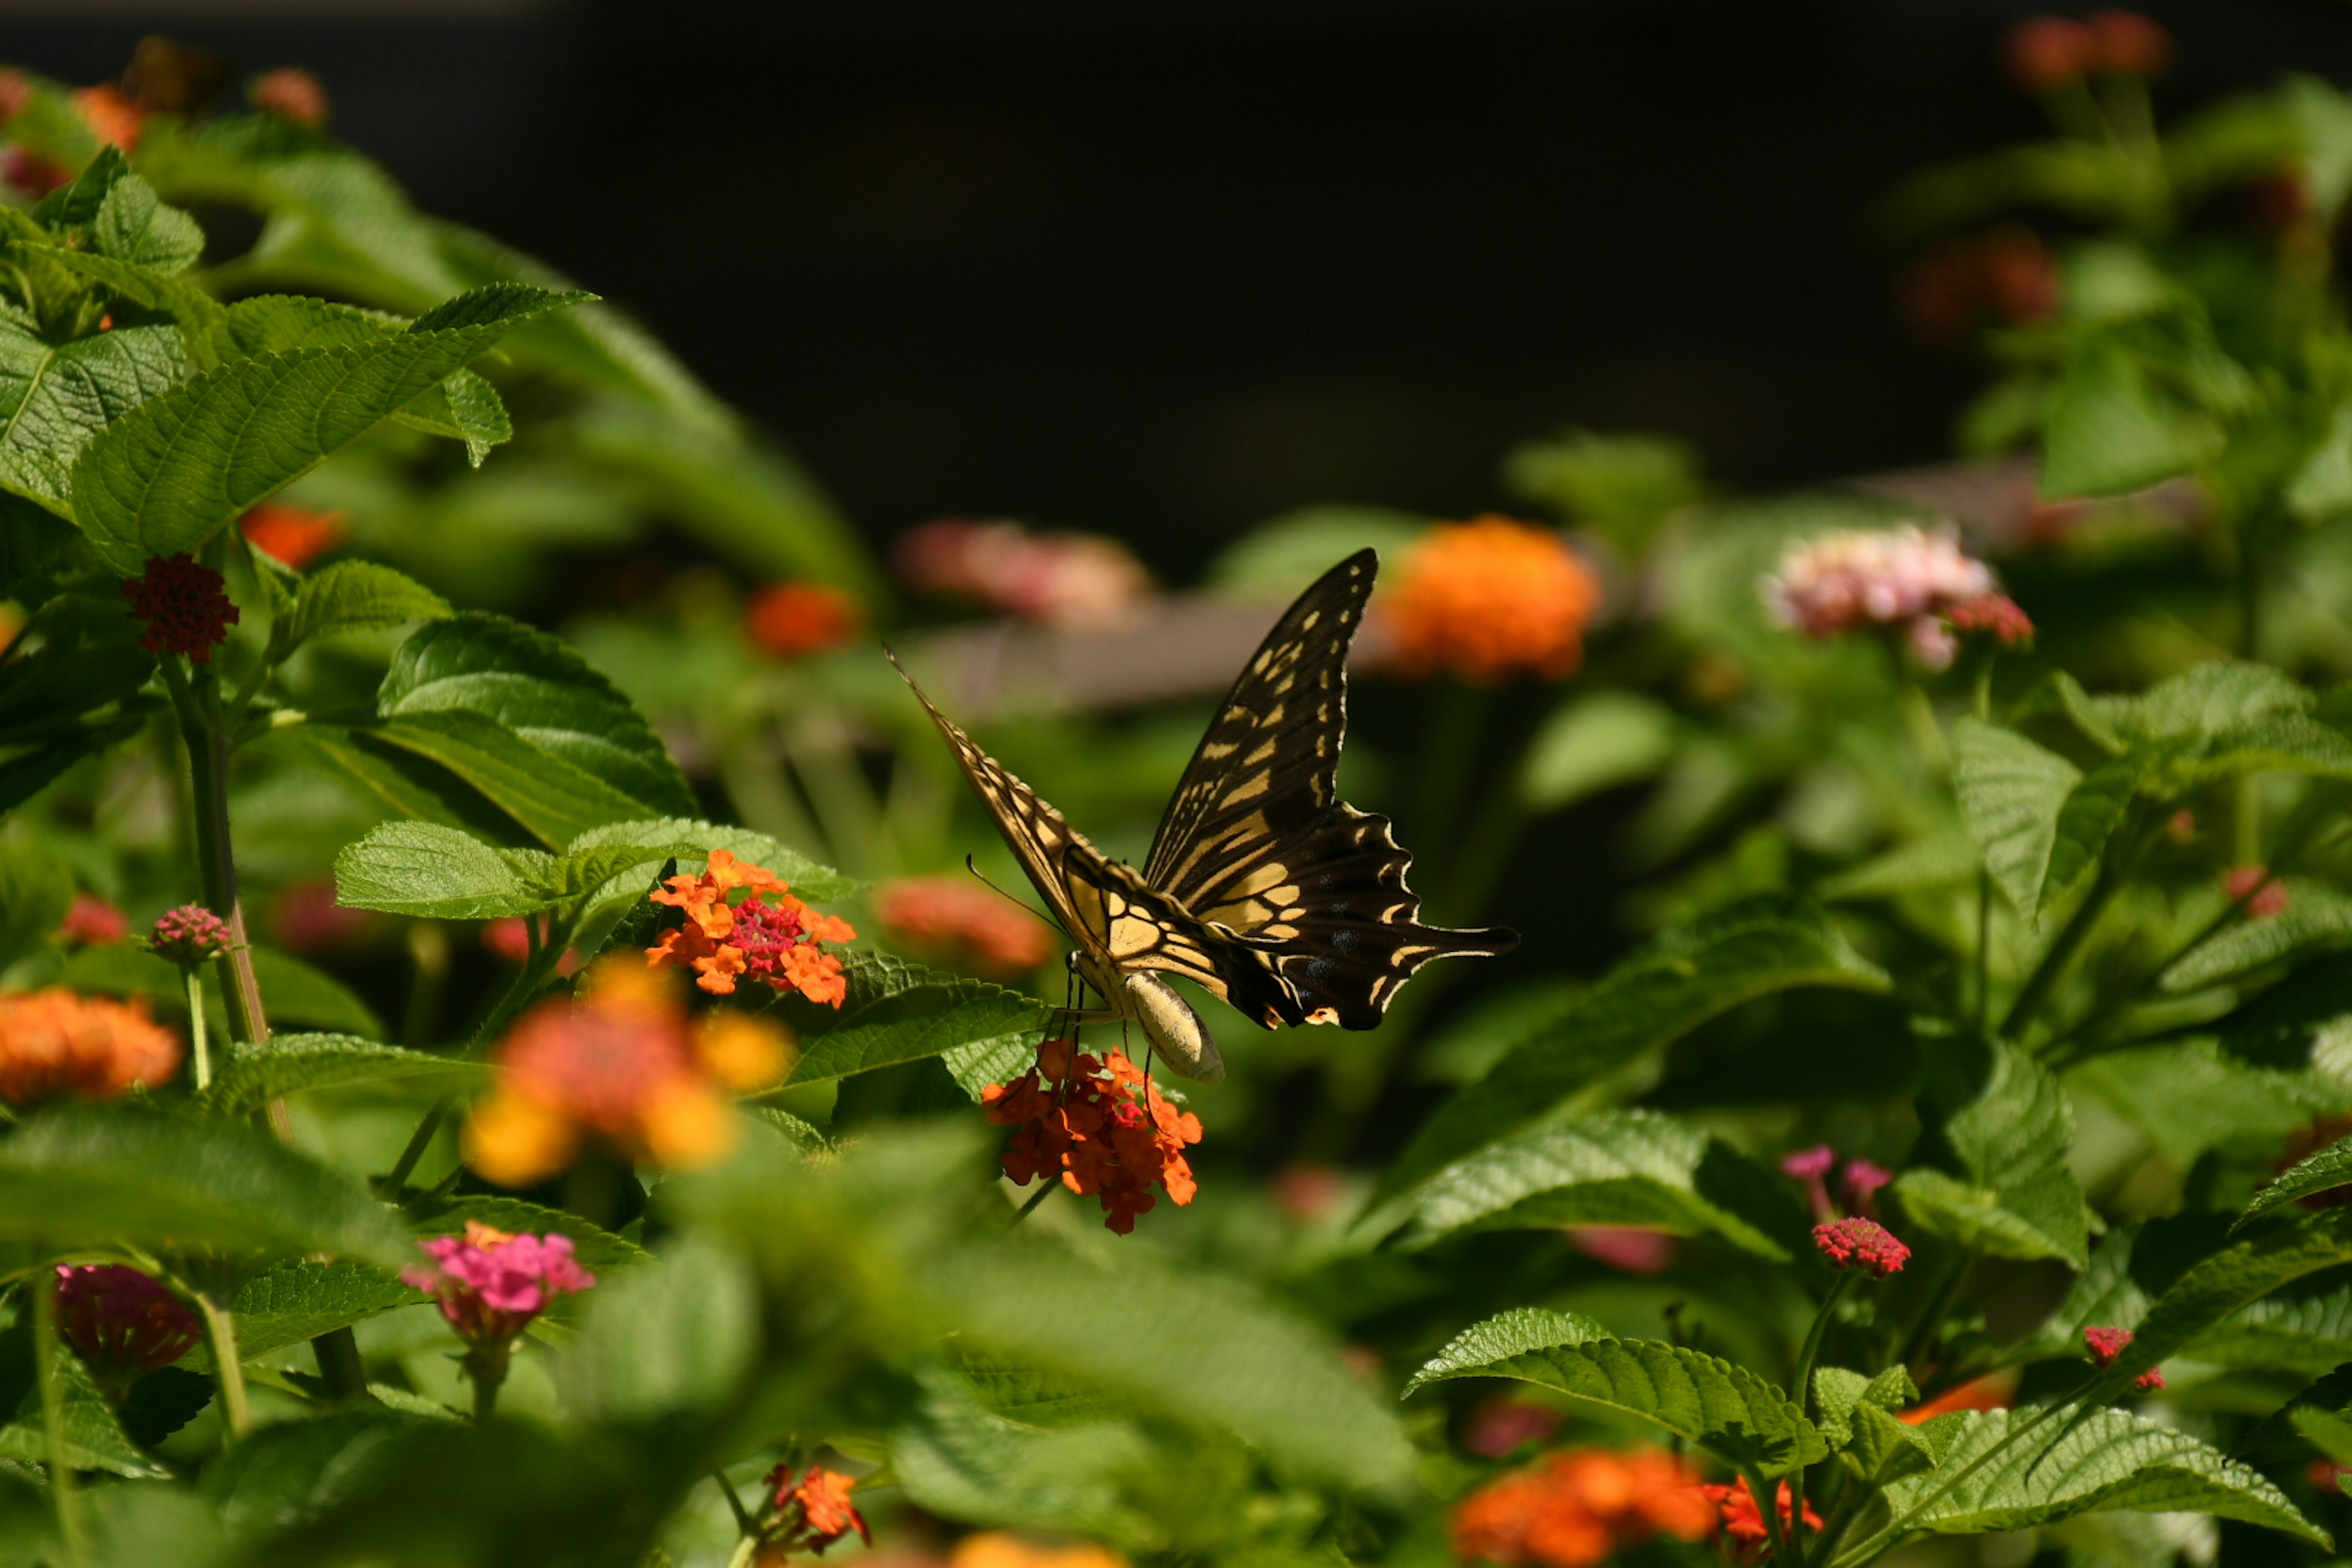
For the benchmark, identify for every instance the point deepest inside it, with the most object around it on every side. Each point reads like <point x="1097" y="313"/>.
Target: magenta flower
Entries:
<point x="1860" y="1183"/>
<point x="2106" y="1344"/>
<point x="490" y="1285"/>
<point x="121" y="1323"/>
<point x="1812" y="1166"/>
<point x="189" y="934"/>
<point x="1858" y="1243"/>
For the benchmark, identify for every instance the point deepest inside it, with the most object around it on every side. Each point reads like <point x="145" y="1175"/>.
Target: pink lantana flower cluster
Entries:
<point x="1863" y="1243"/>
<point x="121" y="1323"/>
<point x="1902" y="579"/>
<point x="2107" y="1344"/>
<point x="490" y="1284"/>
<point x="1858" y="1184"/>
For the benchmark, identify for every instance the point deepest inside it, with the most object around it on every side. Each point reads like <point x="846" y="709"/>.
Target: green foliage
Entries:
<point x="2328" y="1169"/>
<point x="2002" y="1132"/>
<point x="253" y="1074"/>
<point x="898" y="1011"/>
<point x="1724" y="1409"/>
<point x="292" y="1302"/>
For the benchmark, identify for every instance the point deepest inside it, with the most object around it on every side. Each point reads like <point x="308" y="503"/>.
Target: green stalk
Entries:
<point x="1984" y="950"/>
<point x="220" y="1337"/>
<point x="1803" y="1388"/>
<point x="1922" y="1333"/>
<point x="1457" y="721"/>
<point x="192" y="985"/>
<point x="1768" y="1504"/>
<point x="65" y="1495"/>
<point x="2053" y="967"/>
<point x="197" y="704"/>
<point x="1044" y="1190"/>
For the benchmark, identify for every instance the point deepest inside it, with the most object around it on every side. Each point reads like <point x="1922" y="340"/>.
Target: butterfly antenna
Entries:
<point x="973" y="867"/>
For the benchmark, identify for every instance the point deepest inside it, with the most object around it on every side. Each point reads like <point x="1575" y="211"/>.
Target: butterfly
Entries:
<point x="1263" y="887"/>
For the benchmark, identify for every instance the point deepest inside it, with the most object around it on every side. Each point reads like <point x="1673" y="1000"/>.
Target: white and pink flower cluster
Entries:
<point x="1077" y="581"/>
<point x="1907" y="579"/>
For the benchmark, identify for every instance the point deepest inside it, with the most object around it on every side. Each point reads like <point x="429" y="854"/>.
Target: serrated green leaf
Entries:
<point x="302" y="1300"/>
<point x="1625" y="1167"/>
<point x="289" y="1473"/>
<point x="1838" y="1393"/>
<point x="2327" y="1431"/>
<point x="173" y="472"/>
<point x="1724" y="1409"/>
<point x="2331" y="1393"/>
<point x="2193" y="1095"/>
<point x="197" y="313"/>
<point x="94" y="1439"/>
<point x="961" y="1458"/>
<point x="692" y="841"/>
<point x="263" y="324"/>
<point x="55" y="399"/>
<point x="899" y="1011"/>
<point x="2040" y="1219"/>
<point x="2001" y="1131"/>
<point x="424" y="869"/>
<point x="2109" y="431"/>
<point x="464" y="408"/>
<point x="1885" y="1449"/>
<point x="395" y="779"/>
<point x="134" y="224"/>
<point x="1677" y="982"/>
<point x="1000" y="1060"/>
<point x="2210" y="701"/>
<point x="255" y="1075"/>
<point x="2317" y="915"/>
<point x="2328" y="1169"/>
<point x="2293" y="1330"/>
<point x="2079" y="1461"/>
<point x="2012" y="792"/>
<point x="595" y="1247"/>
<point x="542" y="690"/>
<point x="350" y="597"/>
<point x="85" y="1177"/>
<point x="555" y="800"/>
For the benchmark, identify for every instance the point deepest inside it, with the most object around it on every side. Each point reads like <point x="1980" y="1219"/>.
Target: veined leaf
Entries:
<point x="897" y="1011"/>
<point x="597" y="1249"/>
<point x="2210" y="701"/>
<point x="2078" y="1459"/>
<point x="2192" y="1095"/>
<point x="1626" y="1167"/>
<point x="288" y="1472"/>
<point x="2109" y="431"/>
<point x="2290" y="1330"/>
<point x="695" y="839"/>
<point x="1724" y="1409"/>
<point x="2317" y="915"/>
<point x="169" y="475"/>
<point x="2328" y="1169"/>
<point x="350" y="597"/>
<point x="2000" y="1129"/>
<point x="134" y="224"/>
<point x="1946" y="859"/>
<point x="1593" y="743"/>
<point x="302" y="1300"/>
<point x="255" y="1075"/>
<point x="677" y="1335"/>
<point x="2038" y="821"/>
<point x="197" y="313"/>
<point x="1838" y="1393"/>
<point x="424" y="869"/>
<point x="1677" y="982"/>
<point x="85" y="1177"/>
<point x="961" y="1459"/>
<point x="57" y="398"/>
<point x="556" y="801"/>
<point x="94" y="1439"/>
<point x="543" y="691"/>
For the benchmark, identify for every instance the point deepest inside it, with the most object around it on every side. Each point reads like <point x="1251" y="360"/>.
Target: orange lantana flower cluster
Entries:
<point x="625" y="1064"/>
<point x="1100" y="1125"/>
<point x="945" y="917"/>
<point x="57" y="1042"/>
<point x="767" y="934"/>
<point x="1489" y="598"/>
<point x="1577" y="1508"/>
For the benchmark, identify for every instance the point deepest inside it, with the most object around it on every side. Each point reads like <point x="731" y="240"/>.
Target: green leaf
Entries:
<point x="1724" y="1409"/>
<point x="264" y="324"/>
<point x="424" y="869"/>
<point x="2189" y="1096"/>
<point x="545" y="693"/>
<point x="254" y="1075"/>
<point x="134" y="225"/>
<point x="991" y="1061"/>
<point x="898" y="1011"/>
<point x="288" y="1472"/>
<point x="597" y="1249"/>
<point x="292" y="990"/>
<point x="2328" y="1169"/>
<point x="394" y="779"/>
<point x="1677" y="982"/>
<point x="85" y="1177"/>
<point x="352" y="596"/>
<point x="1885" y="1448"/>
<point x="2327" y="1431"/>
<point x="55" y="399"/>
<point x="691" y="839"/>
<point x="2001" y="1131"/>
<point x="2110" y="432"/>
<point x="1626" y="1167"/>
<point x="302" y="1300"/>
<point x="1948" y="859"/>
<point x="198" y="313"/>
<point x="679" y="1334"/>
<point x="960" y="1458"/>
<point x="1838" y="1393"/>
<point x="36" y="890"/>
<point x="94" y="1439"/>
<point x="77" y="202"/>
<point x="1594" y="743"/>
<point x="464" y="408"/>
<point x="2298" y="1331"/>
<point x="2317" y="915"/>
<point x="169" y="475"/>
<point x="555" y="800"/>
<point x="2210" y="701"/>
<point x="2078" y="1460"/>
<point x="2016" y="797"/>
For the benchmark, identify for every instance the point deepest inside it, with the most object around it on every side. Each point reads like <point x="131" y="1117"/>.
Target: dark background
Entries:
<point x="1165" y="267"/>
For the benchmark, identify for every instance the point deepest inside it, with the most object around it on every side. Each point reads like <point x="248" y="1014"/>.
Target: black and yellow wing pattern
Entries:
<point x="1262" y="885"/>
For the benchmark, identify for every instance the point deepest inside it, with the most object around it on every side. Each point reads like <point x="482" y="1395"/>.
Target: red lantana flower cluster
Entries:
<point x="293" y="535"/>
<point x="1858" y="1185"/>
<point x="1099" y="1125"/>
<point x="184" y="605"/>
<point x="2106" y="1344"/>
<point x="91" y="920"/>
<point x="767" y="934"/>
<point x="189" y="934"/>
<point x="2265" y="896"/>
<point x="1858" y="1243"/>
<point x="1578" y="1507"/>
<point x="1744" y="1523"/>
<point x="121" y="1323"/>
<point x="809" y="1513"/>
<point x="2046" y="52"/>
<point x="788" y="619"/>
<point x="948" y="918"/>
<point x="1994" y="616"/>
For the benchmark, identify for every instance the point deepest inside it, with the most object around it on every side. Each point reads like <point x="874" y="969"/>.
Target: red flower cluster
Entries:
<point x="1081" y="581"/>
<point x="1578" y="1507"/>
<point x="787" y="620"/>
<point x="56" y="1042"/>
<point x="1866" y="1244"/>
<point x="1743" y="1522"/>
<point x="947" y="917"/>
<point x="1502" y="1423"/>
<point x="775" y="944"/>
<point x="509" y="938"/>
<point x="293" y="95"/>
<point x="121" y="1323"/>
<point x="1995" y="615"/>
<point x="2269" y="898"/>
<point x="1858" y="1187"/>
<point x="185" y="603"/>
<point x="189" y="934"/>
<point x="305" y="918"/>
<point x="2002" y="277"/>
<point x="1099" y="1125"/>
<point x="1489" y="598"/>
<point x="2046" y="52"/>
<point x="812" y="1512"/>
<point x="293" y="535"/>
<point x="92" y="920"/>
<point x="2106" y="1344"/>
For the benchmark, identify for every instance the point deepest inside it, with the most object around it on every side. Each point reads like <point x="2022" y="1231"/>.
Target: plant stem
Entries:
<point x="418" y="1142"/>
<point x="341" y="1367"/>
<point x="744" y="1523"/>
<point x="1803" y="1389"/>
<point x="1457" y="722"/>
<point x="64" y="1496"/>
<point x="2053" y="967"/>
<point x="220" y="1336"/>
<point x="207" y="743"/>
<point x="1922" y="1333"/>
<point x="1768" y="1505"/>
<point x="192" y="984"/>
<point x="1984" y="950"/>
<point x="485" y="1399"/>
<point x="1044" y="1190"/>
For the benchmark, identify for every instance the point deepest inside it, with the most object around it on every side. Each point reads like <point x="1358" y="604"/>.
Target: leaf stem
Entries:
<point x="1922" y="1333"/>
<point x="2054" y="964"/>
<point x="228" y="1367"/>
<point x="744" y="1523"/>
<point x="1768" y="1505"/>
<point x="1803" y="1388"/>
<point x="1044" y="1190"/>
<point x="1984" y="950"/>
<point x="192" y="984"/>
<point x="65" y="1495"/>
<point x="197" y="706"/>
